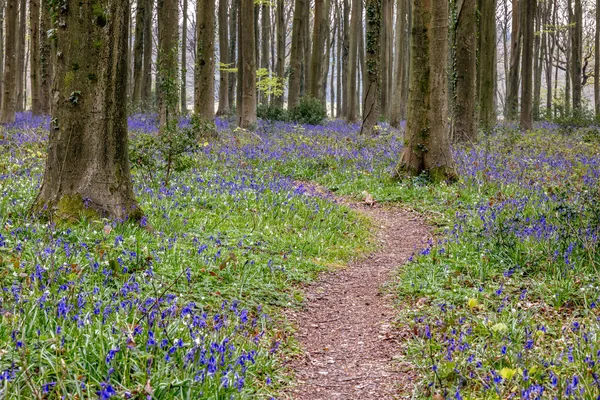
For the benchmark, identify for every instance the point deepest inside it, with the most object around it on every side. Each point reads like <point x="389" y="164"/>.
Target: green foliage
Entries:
<point x="268" y="85"/>
<point x="269" y="112"/>
<point x="309" y="111"/>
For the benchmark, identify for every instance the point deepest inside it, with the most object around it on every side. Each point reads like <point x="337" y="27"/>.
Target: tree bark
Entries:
<point x="597" y="63"/>
<point x="247" y="71"/>
<point x="34" y="35"/>
<point x="265" y="43"/>
<point x="352" y="108"/>
<point x="167" y="65"/>
<point x="223" y="58"/>
<point x="374" y="45"/>
<point x="280" y="66"/>
<point x="527" y="69"/>
<point x="318" y="42"/>
<point x="9" y="98"/>
<point x="45" y="55"/>
<point x="147" y="60"/>
<point x="386" y="57"/>
<point x="512" y="93"/>
<point x="233" y="28"/>
<point x="296" y="54"/>
<point x="345" y="56"/>
<point x="87" y="167"/>
<point x="465" y="122"/>
<point x="184" y="33"/>
<point x="204" y="94"/>
<point x="21" y="43"/>
<point x="427" y="138"/>
<point x="138" y="53"/>
<point x="398" y="106"/>
<point x="537" y="63"/>
<point x="577" y="55"/>
<point x="486" y="89"/>
<point x="2" y="3"/>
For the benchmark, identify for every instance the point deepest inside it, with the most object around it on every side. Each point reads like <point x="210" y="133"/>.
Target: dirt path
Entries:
<point x="351" y="349"/>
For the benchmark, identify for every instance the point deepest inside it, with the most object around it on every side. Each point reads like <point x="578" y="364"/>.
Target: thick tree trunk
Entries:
<point x="204" y="94"/>
<point x="427" y="139"/>
<point x="184" y="33"/>
<point x="280" y="66"/>
<point x="34" y="35"/>
<point x="87" y="167"/>
<point x="296" y="54"/>
<point x="597" y="63"/>
<point x="577" y="55"/>
<point x="465" y="123"/>
<point x="352" y="106"/>
<point x="45" y="55"/>
<point x="138" y="53"/>
<point x="9" y="97"/>
<point x="247" y="70"/>
<point x="167" y="63"/>
<point x="398" y="106"/>
<point x="233" y="28"/>
<point x="147" y="61"/>
<point x="373" y="58"/>
<point x="21" y="43"/>
<point x="512" y="92"/>
<point x="223" y="59"/>
<point x="527" y="69"/>
<point x="321" y="21"/>
<point x="486" y="89"/>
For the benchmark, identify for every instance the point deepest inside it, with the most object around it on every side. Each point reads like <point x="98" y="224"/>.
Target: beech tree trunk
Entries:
<point x="87" y="167"/>
<point x="34" y="52"/>
<point x="385" y="62"/>
<point x="9" y="97"/>
<point x="352" y="106"/>
<point x="597" y="63"/>
<point x="223" y="59"/>
<point x="398" y="106"/>
<point x="577" y="55"/>
<point x="321" y="21"/>
<point x="527" y="69"/>
<point x="373" y="47"/>
<point x="2" y="2"/>
<point x="280" y="66"/>
<point x="296" y="54"/>
<point x="204" y="94"/>
<point x="512" y="92"/>
<point x="21" y="55"/>
<point x="265" y="42"/>
<point x="138" y="53"/>
<point x="147" y="61"/>
<point x="345" y="56"/>
<point x="427" y="138"/>
<point x="184" y="33"/>
<point x="465" y="123"/>
<point x="45" y="54"/>
<point x="233" y="28"/>
<point x="486" y="81"/>
<point x="167" y="65"/>
<point x="247" y="70"/>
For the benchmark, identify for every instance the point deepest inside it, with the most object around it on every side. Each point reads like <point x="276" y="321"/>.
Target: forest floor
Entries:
<point x="352" y="348"/>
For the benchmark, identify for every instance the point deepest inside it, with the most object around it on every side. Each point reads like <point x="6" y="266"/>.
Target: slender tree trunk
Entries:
<point x="147" y="60"/>
<point x="362" y="63"/>
<point x="486" y="89"/>
<point x="247" y="74"/>
<point x="427" y="138"/>
<point x="319" y="41"/>
<point x="577" y="55"/>
<point x="87" y="167"/>
<point x="296" y="54"/>
<point x="385" y="57"/>
<point x="34" y="35"/>
<point x="9" y="97"/>
<point x="334" y="63"/>
<point x="21" y="75"/>
<point x="204" y="94"/>
<point x="537" y="65"/>
<point x="597" y="63"/>
<point x="345" y="57"/>
<point x="527" y="70"/>
<point x="138" y="53"/>
<point x="223" y="59"/>
<point x="45" y="55"/>
<point x="307" y="43"/>
<point x="512" y="99"/>
<point x="465" y="123"/>
<point x="184" y="33"/>
<point x="280" y="65"/>
<point x="2" y="3"/>
<point x="233" y="27"/>
<point x="551" y="40"/>
<point x="352" y="107"/>
<point x="265" y="43"/>
<point x="398" y="107"/>
<point x="340" y="60"/>
<point x="374" y="45"/>
<point x="167" y="76"/>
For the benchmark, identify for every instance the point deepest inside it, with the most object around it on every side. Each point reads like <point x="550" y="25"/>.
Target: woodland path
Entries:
<point x="351" y="348"/>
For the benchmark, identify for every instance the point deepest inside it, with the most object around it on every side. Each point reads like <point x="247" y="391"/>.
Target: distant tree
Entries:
<point x="427" y="147"/>
<point x="486" y="74"/>
<point x="247" y="66"/>
<point x="204" y="93"/>
<point x="147" y="61"/>
<point x="184" y="34"/>
<point x="352" y="104"/>
<point x="577" y="54"/>
<point x="34" y="53"/>
<point x="386" y="60"/>
<point x="280" y="64"/>
<point x="401" y="64"/>
<point x="224" y="58"/>
<point x="45" y="56"/>
<point x="372" y="100"/>
<point x="21" y="55"/>
<point x="265" y="31"/>
<point x="87" y="167"/>
<point x="167" y="65"/>
<point x="465" y="122"/>
<point x="527" y="69"/>
<point x="138" y="52"/>
<point x="512" y="90"/>
<point x="233" y="35"/>
<point x="9" y="97"/>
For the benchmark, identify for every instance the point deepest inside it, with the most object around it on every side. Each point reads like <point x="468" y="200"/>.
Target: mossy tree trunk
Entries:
<point x="486" y="74"/>
<point x="138" y="52"/>
<point x="147" y="61"/>
<point x="9" y="96"/>
<point x="247" y="71"/>
<point x="224" y="58"/>
<point x="45" y="54"/>
<point x="167" y="61"/>
<point x="87" y="167"/>
<point x="526" y="122"/>
<point x="204" y="93"/>
<point x="373" y="68"/>
<point x="465" y="123"/>
<point x="427" y="141"/>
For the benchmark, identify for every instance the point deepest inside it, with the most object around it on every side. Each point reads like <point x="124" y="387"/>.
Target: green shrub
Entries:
<point x="309" y="111"/>
<point x="269" y="112"/>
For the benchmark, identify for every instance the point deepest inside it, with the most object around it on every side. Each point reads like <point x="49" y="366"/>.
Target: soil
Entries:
<point x="352" y="347"/>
